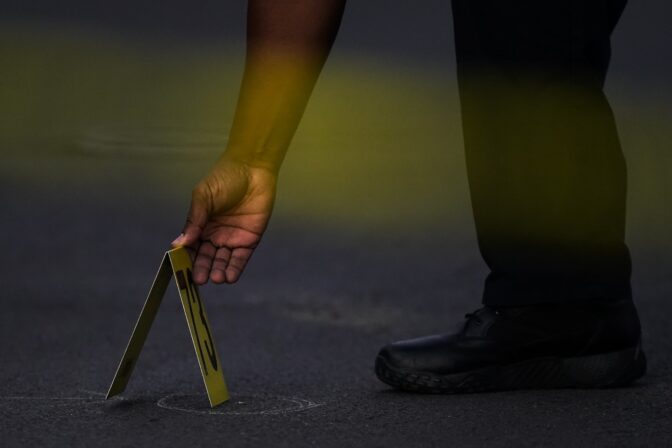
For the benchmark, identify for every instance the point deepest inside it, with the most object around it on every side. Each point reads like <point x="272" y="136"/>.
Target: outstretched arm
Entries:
<point x="288" y="42"/>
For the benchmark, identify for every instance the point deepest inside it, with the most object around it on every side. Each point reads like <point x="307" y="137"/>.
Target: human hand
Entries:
<point x="229" y="212"/>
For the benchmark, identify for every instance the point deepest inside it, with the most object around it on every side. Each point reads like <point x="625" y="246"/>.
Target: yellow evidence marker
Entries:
<point x="176" y="263"/>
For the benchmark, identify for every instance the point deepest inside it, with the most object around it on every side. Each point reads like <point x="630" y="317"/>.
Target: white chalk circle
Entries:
<point x="237" y="405"/>
<point x="86" y="397"/>
<point x="151" y="141"/>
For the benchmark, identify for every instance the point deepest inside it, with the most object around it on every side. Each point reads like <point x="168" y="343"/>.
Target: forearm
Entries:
<point x="288" y="42"/>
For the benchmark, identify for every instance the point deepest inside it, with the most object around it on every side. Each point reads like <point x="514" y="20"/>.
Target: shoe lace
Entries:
<point x="475" y="316"/>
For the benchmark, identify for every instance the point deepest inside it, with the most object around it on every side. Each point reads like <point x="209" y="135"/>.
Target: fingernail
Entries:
<point x="178" y="240"/>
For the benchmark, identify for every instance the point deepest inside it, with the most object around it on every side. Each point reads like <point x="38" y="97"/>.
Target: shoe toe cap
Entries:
<point x="425" y="353"/>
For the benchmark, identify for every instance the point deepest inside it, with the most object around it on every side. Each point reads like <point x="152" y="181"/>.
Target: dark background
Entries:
<point x="378" y="29"/>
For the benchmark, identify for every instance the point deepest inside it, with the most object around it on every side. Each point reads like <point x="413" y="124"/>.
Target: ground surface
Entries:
<point x="297" y="336"/>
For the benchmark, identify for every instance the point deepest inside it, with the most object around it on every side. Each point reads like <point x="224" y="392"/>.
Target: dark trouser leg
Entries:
<point x="546" y="171"/>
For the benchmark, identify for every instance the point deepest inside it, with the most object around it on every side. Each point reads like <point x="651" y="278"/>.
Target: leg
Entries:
<point x="546" y="171"/>
<point x="547" y="179"/>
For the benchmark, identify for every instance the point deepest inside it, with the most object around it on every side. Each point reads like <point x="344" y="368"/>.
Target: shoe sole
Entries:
<point x="605" y="370"/>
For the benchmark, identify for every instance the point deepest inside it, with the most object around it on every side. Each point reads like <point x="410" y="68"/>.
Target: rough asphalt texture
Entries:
<point x="81" y="238"/>
<point x="300" y="332"/>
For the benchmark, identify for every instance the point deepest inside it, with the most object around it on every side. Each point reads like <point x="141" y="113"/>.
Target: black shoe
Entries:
<point x="533" y="347"/>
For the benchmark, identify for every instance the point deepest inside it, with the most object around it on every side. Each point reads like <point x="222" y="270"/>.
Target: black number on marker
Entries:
<point x="186" y="283"/>
<point x="209" y="345"/>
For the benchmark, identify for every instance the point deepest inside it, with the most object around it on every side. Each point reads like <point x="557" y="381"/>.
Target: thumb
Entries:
<point x="196" y="220"/>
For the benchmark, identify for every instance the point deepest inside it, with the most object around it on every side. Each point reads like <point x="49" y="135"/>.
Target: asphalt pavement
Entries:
<point x="297" y="336"/>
